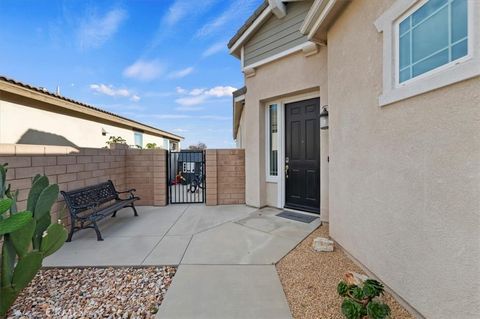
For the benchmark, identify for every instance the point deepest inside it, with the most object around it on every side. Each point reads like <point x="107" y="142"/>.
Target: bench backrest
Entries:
<point x="82" y="197"/>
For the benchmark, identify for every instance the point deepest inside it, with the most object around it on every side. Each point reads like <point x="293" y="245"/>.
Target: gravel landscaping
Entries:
<point x="94" y="293"/>
<point x="310" y="279"/>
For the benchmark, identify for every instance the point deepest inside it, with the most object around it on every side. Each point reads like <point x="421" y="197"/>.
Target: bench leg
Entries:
<point x="134" y="209"/>
<point x="99" y="236"/>
<point x="114" y="214"/>
<point x="72" y="229"/>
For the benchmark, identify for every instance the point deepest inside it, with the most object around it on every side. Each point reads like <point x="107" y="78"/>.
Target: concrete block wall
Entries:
<point x="146" y="171"/>
<point x="73" y="168"/>
<point x="70" y="168"/>
<point x="211" y="177"/>
<point x="225" y="176"/>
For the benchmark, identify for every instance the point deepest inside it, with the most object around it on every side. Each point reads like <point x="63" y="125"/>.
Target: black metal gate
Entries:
<point x="186" y="177"/>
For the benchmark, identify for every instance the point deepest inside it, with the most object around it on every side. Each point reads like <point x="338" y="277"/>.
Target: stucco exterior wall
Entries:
<point x="24" y="125"/>
<point x="288" y="76"/>
<point x="404" y="178"/>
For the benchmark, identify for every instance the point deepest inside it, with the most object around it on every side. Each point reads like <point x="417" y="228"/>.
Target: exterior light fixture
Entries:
<point x="104" y="132"/>
<point x="324" y="118"/>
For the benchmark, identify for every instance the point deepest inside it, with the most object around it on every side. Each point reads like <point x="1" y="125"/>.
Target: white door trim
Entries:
<point x="281" y="133"/>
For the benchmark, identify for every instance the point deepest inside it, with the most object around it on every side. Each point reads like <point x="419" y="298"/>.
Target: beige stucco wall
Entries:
<point x="288" y="76"/>
<point x="17" y="119"/>
<point x="240" y="138"/>
<point x="404" y="178"/>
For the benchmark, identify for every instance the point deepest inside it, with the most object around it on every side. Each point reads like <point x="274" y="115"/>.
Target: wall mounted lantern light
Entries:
<point x="324" y="118"/>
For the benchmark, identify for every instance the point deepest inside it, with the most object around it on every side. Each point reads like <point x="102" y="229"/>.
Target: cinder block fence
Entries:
<point x="142" y="169"/>
<point x="225" y="176"/>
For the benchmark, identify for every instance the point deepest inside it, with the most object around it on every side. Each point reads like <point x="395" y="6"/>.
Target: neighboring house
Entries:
<point x="397" y="173"/>
<point x="31" y="115"/>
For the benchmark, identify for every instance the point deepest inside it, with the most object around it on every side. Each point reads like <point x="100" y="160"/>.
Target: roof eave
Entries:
<point x="31" y="92"/>
<point x="240" y="38"/>
<point x="320" y="18"/>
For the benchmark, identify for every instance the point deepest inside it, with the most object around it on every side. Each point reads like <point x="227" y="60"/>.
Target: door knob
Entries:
<point x="286" y="171"/>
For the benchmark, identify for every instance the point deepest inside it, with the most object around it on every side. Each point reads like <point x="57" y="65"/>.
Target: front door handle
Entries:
<point x="286" y="171"/>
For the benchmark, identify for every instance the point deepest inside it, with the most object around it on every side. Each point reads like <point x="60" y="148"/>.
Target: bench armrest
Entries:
<point x="130" y="192"/>
<point x="127" y="191"/>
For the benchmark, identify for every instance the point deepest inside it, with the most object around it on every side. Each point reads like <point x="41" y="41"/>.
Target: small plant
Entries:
<point x="361" y="300"/>
<point x="116" y="140"/>
<point x="28" y="236"/>
<point x="151" y="145"/>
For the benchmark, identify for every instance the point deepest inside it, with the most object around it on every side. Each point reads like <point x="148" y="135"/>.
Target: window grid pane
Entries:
<point x="432" y="36"/>
<point x="273" y="138"/>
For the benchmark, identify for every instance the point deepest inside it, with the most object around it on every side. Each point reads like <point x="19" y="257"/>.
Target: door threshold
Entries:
<point x="301" y="212"/>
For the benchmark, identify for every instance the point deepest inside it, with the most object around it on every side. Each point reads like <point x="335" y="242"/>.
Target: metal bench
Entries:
<point x="90" y="204"/>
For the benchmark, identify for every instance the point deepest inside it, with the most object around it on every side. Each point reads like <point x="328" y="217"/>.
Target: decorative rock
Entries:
<point x="94" y="293"/>
<point x="353" y="278"/>
<point x="322" y="244"/>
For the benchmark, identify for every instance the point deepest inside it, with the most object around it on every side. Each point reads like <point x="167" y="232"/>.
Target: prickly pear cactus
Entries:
<point x="28" y="236"/>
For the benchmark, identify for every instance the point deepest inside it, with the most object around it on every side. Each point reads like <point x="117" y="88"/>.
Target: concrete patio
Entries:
<point x="226" y="256"/>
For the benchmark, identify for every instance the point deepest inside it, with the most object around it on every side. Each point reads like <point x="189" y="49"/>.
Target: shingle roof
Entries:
<point x="247" y="24"/>
<point x="87" y="106"/>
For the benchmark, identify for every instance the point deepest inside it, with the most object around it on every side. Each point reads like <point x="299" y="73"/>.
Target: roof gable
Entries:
<point x="267" y="9"/>
<point x="277" y="35"/>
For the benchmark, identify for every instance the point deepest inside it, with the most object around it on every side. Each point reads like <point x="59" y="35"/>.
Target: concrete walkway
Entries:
<point x="226" y="256"/>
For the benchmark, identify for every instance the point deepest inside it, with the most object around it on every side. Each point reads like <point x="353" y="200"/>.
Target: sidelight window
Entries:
<point x="272" y="141"/>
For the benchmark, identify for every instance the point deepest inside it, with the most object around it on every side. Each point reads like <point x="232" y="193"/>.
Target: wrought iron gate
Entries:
<point x="186" y="177"/>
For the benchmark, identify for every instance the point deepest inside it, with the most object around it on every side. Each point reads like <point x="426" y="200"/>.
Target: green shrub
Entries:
<point x="116" y="140"/>
<point x="28" y="236"/>
<point x="360" y="301"/>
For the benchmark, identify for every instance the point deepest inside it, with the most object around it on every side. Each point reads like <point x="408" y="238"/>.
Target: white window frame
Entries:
<point x="271" y="178"/>
<point x="453" y="72"/>
<point x="135" y="134"/>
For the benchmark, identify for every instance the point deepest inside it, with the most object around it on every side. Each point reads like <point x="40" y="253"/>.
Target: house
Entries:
<point x="32" y="115"/>
<point x="396" y="173"/>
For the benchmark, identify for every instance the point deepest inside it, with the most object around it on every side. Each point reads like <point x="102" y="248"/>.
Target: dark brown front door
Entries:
<point x="302" y="155"/>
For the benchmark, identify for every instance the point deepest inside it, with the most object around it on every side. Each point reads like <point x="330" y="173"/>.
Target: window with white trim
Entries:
<point x="432" y="36"/>
<point x="138" y="139"/>
<point x="272" y="141"/>
<point x="427" y="45"/>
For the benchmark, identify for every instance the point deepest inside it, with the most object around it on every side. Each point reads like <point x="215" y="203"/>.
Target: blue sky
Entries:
<point x="164" y="63"/>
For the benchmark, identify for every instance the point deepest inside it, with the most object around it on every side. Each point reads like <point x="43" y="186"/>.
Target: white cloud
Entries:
<point x="236" y="11"/>
<point x="200" y="95"/>
<point x="214" y="49"/>
<point x="221" y="91"/>
<point x="215" y="117"/>
<point x="191" y="100"/>
<point x="144" y="70"/>
<point x="178" y="10"/>
<point x="181" y="90"/>
<point x="110" y="90"/>
<point x="180" y="130"/>
<point x="95" y="31"/>
<point x="180" y="73"/>
<point x="192" y="108"/>
<point x="186" y="116"/>
<point x="135" y="98"/>
<point x="171" y="116"/>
